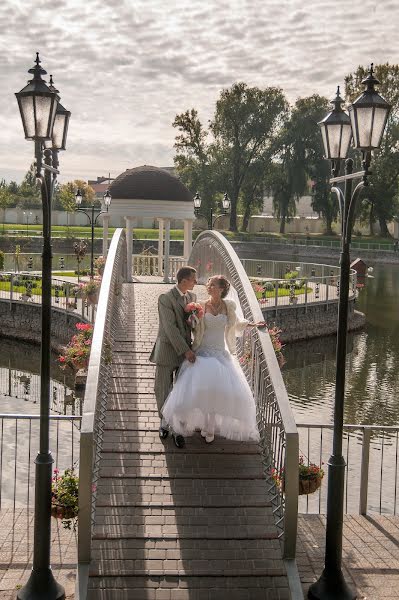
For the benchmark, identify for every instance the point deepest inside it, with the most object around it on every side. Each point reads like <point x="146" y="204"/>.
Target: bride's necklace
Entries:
<point x="215" y="310"/>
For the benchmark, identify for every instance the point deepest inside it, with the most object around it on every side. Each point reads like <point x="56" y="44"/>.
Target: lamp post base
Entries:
<point x="41" y="585"/>
<point x="331" y="587"/>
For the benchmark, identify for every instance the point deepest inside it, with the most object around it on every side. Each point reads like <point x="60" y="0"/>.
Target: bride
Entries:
<point x="212" y="394"/>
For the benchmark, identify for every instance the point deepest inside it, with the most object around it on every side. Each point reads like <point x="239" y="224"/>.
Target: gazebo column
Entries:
<point x="129" y="247"/>
<point x="160" y="246"/>
<point x="167" y="251"/>
<point x="188" y="238"/>
<point x="105" y="234"/>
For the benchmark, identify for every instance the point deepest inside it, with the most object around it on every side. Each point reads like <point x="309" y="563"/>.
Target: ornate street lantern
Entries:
<point x="38" y="106"/>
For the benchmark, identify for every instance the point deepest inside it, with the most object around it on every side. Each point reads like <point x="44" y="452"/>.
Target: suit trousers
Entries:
<point x="163" y="384"/>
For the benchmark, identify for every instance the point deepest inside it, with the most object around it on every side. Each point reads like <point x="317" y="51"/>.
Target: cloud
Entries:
<point x="126" y="68"/>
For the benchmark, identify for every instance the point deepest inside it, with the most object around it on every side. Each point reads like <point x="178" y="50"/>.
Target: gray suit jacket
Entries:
<point x="174" y="333"/>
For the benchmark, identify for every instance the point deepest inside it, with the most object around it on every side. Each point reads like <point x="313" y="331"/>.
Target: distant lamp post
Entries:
<point x="368" y="117"/>
<point x="107" y="198"/>
<point x="27" y="214"/>
<point x="211" y="219"/>
<point x="39" y="108"/>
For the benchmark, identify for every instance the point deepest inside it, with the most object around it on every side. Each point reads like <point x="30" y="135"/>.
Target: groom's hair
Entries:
<point x="185" y="273"/>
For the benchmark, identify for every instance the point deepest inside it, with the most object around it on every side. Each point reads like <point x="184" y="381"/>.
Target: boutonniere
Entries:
<point x="194" y="312"/>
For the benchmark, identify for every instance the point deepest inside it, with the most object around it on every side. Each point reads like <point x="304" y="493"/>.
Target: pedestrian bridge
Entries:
<point x="156" y="522"/>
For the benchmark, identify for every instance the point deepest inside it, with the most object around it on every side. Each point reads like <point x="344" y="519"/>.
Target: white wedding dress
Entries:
<point x="212" y="394"/>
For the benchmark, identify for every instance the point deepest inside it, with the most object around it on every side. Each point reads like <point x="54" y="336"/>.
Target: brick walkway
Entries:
<point x="370" y="554"/>
<point x="16" y="550"/>
<point x="175" y="524"/>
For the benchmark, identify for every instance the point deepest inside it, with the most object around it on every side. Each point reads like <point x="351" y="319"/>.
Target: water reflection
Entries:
<point x="20" y="380"/>
<point x="372" y="383"/>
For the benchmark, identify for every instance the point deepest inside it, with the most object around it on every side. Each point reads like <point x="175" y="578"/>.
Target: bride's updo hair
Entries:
<point x="221" y="282"/>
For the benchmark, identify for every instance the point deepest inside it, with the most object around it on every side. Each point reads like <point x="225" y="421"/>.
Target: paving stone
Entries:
<point x="173" y="524"/>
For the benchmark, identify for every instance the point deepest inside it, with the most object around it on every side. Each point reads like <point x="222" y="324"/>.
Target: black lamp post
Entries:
<point x="92" y="220"/>
<point x="368" y="117"/>
<point x="27" y="213"/>
<point x="44" y="123"/>
<point x="211" y="219"/>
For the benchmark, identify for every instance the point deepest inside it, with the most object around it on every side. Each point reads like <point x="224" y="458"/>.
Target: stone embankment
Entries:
<point x="315" y="320"/>
<point x="23" y="322"/>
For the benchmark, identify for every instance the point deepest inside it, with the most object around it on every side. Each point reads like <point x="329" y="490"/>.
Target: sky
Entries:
<point x="125" y="69"/>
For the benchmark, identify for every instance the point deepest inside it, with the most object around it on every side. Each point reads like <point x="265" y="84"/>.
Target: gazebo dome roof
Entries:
<point x="149" y="183"/>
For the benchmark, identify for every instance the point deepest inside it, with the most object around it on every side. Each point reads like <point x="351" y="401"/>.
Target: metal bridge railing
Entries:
<point x="97" y="386"/>
<point x="371" y="454"/>
<point x="213" y="254"/>
<point x="26" y="288"/>
<point x="19" y="444"/>
<point x="313" y="283"/>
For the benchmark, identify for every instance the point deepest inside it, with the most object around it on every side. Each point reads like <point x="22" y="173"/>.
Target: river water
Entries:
<point x="372" y="395"/>
<point x="372" y="384"/>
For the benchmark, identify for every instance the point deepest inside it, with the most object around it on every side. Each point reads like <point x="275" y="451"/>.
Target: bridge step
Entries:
<point x="145" y="440"/>
<point x="175" y="524"/>
<point x="188" y="588"/>
<point x="181" y="465"/>
<point x="181" y="492"/>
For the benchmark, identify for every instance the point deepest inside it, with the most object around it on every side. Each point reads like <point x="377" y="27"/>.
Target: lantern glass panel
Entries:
<point x="380" y="116"/>
<point x="346" y="140"/>
<point x="334" y="138"/>
<point x="45" y="112"/>
<point x="325" y="144"/>
<point x="28" y="115"/>
<point x="58" y="131"/>
<point x="362" y="134"/>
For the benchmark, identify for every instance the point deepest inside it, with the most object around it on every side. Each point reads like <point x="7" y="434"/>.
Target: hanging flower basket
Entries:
<point x="308" y="486"/>
<point x="310" y="477"/>
<point x="64" y="497"/>
<point x="59" y="511"/>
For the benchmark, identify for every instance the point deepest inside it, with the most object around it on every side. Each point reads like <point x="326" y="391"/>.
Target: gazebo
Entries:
<point x="150" y="193"/>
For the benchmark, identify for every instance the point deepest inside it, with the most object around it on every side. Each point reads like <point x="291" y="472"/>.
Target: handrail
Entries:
<point x="97" y="389"/>
<point x="64" y="298"/>
<point x="212" y="254"/>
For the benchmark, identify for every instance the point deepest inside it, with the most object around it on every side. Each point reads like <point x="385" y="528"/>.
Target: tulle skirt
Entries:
<point x="212" y="395"/>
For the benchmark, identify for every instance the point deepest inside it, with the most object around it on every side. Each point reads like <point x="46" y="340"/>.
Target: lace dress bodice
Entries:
<point x="214" y="338"/>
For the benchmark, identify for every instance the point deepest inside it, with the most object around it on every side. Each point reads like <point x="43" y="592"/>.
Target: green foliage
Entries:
<point x="300" y="156"/>
<point x="244" y="127"/>
<point x="1" y="260"/>
<point x="66" y="194"/>
<point x="381" y="199"/>
<point x="29" y="195"/>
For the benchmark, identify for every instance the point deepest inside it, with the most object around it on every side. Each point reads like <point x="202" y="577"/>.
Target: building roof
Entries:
<point x="149" y="183"/>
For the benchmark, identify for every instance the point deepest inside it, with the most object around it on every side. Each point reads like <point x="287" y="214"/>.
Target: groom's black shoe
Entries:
<point x="163" y="433"/>
<point x="179" y="440"/>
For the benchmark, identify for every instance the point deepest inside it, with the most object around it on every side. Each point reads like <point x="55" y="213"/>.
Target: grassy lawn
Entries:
<point x="36" y="291"/>
<point x="282" y="292"/>
<point x="20" y="230"/>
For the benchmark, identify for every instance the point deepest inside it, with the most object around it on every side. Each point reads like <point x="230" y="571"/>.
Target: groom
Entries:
<point x="173" y="343"/>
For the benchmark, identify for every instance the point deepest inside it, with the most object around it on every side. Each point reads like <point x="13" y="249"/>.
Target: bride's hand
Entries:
<point x="259" y="324"/>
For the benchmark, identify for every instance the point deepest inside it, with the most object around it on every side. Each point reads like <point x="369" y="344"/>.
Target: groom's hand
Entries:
<point x="190" y="356"/>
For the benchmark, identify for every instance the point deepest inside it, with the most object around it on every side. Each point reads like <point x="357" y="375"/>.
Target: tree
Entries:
<point x="300" y="157"/>
<point x="6" y="198"/>
<point x="66" y="194"/>
<point x="29" y="191"/>
<point x="195" y="161"/>
<point x="380" y="199"/>
<point x="244" y="127"/>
